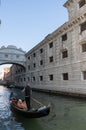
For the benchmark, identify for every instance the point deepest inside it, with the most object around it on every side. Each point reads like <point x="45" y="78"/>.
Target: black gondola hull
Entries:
<point x="31" y="113"/>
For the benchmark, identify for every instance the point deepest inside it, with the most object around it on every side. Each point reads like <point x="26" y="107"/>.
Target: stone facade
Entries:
<point x="59" y="61"/>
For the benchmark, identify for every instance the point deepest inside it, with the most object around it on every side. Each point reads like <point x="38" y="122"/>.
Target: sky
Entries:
<point x="25" y="23"/>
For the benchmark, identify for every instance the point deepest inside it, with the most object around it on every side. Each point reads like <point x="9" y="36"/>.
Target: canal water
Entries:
<point x="66" y="113"/>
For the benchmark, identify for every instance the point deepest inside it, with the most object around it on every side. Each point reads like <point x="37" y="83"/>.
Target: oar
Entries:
<point x="36" y="101"/>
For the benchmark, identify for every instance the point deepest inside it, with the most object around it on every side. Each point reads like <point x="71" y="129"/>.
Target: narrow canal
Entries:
<point x="66" y="113"/>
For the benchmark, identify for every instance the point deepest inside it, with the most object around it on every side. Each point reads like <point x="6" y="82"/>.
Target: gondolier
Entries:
<point x="28" y="92"/>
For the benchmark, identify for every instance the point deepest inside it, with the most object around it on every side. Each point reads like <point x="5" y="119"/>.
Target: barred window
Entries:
<point x="51" y="45"/>
<point x="6" y="55"/>
<point x="81" y="3"/>
<point x="28" y="57"/>
<point x="41" y="50"/>
<point x="51" y="76"/>
<point x="28" y="78"/>
<point x="65" y="76"/>
<point x="17" y="56"/>
<point x="64" y="37"/>
<point x="28" y="67"/>
<point x="51" y="59"/>
<point x="65" y="54"/>
<point x="83" y="26"/>
<point x="21" y="79"/>
<point x="84" y="75"/>
<point x="84" y="47"/>
<point x="34" y="65"/>
<point x="41" y="62"/>
<point x="24" y="79"/>
<point x="34" y="54"/>
<point x="41" y="78"/>
<point x="34" y="78"/>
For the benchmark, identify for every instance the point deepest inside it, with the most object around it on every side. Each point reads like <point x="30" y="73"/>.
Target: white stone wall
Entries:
<point x="73" y="8"/>
<point x="74" y="64"/>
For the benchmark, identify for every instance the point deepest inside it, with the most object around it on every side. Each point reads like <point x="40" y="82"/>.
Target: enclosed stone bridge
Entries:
<point x="12" y="55"/>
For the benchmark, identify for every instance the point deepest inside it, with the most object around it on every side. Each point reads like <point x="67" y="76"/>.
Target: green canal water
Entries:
<point x="66" y="113"/>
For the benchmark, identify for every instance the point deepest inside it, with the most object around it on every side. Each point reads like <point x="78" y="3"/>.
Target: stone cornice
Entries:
<point x="68" y="3"/>
<point x="11" y="47"/>
<point x="63" y="29"/>
<point x="68" y="25"/>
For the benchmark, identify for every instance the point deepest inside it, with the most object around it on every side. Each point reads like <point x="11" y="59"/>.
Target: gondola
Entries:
<point x="32" y="113"/>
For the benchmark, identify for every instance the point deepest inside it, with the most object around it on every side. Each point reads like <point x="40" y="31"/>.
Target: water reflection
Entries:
<point x="29" y="124"/>
<point x="4" y="103"/>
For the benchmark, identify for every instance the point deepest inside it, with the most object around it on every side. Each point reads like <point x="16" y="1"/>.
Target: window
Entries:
<point x="41" y="50"/>
<point x="64" y="37"/>
<point x="41" y="78"/>
<point x="6" y="55"/>
<point x="65" y="76"/>
<point x="34" y="54"/>
<point x="51" y="76"/>
<point x="28" y="57"/>
<point x="83" y="26"/>
<point x="84" y="47"/>
<point x="28" y="79"/>
<point x="28" y="67"/>
<point x="21" y="79"/>
<point x="81" y="3"/>
<point x="34" y="65"/>
<point x="24" y="79"/>
<point x="41" y="62"/>
<point x="24" y="69"/>
<point x="33" y="78"/>
<point x="84" y="75"/>
<point x="17" y="56"/>
<point x="21" y="70"/>
<point x="18" y="70"/>
<point x="51" y="45"/>
<point x="51" y="59"/>
<point x="65" y="54"/>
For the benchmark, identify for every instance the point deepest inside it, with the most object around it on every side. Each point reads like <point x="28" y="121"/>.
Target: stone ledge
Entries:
<point x="72" y="94"/>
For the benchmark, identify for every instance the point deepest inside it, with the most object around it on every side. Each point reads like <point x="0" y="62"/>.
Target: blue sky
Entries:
<point x="25" y="23"/>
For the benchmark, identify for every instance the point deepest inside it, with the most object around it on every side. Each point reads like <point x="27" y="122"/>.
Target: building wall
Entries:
<point x="59" y="62"/>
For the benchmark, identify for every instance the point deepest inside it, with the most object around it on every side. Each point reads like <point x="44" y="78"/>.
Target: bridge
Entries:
<point x="12" y="55"/>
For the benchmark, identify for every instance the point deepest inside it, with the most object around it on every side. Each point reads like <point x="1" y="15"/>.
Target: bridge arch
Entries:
<point x="12" y="55"/>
